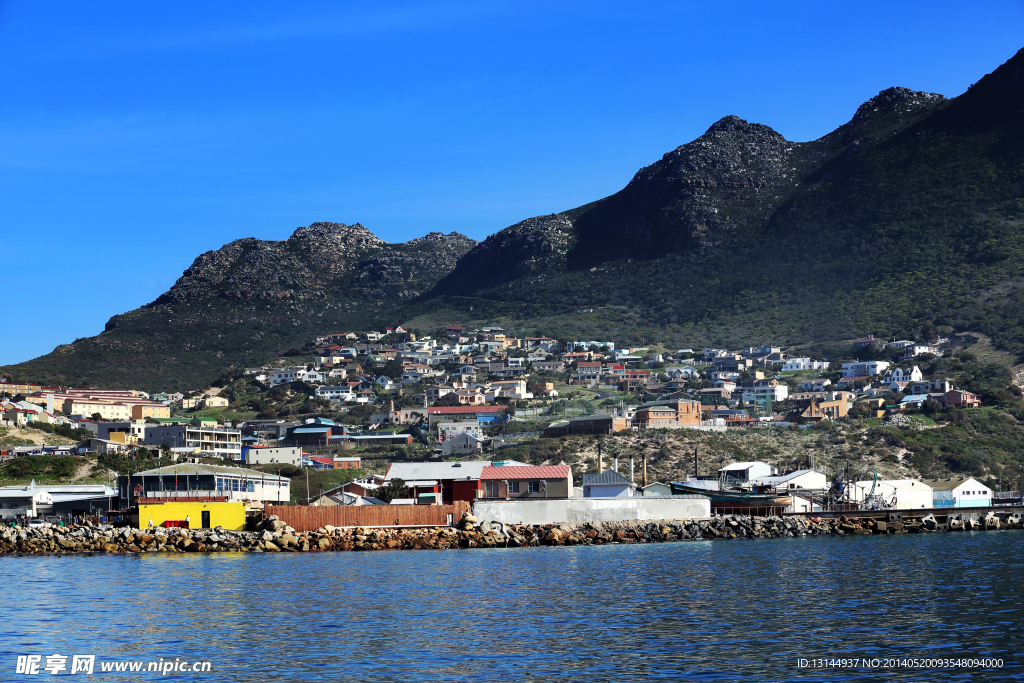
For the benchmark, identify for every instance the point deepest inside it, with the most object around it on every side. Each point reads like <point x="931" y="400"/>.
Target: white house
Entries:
<point x="909" y="494"/>
<point x="384" y="383"/>
<point x="935" y="386"/>
<point x="778" y="392"/>
<point x="342" y="392"/>
<point x="916" y="350"/>
<point x="448" y="430"/>
<point x="608" y="484"/>
<point x="804" y="364"/>
<point x="800" y="479"/>
<point x="461" y="445"/>
<point x="23" y="500"/>
<point x="748" y="471"/>
<point x="816" y="385"/>
<point x="960" y="493"/>
<point x="866" y="369"/>
<point x="900" y="375"/>
<point x="264" y="455"/>
<point x="312" y="376"/>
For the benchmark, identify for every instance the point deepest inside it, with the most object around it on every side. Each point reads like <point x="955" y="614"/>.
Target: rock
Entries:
<point x="485" y="527"/>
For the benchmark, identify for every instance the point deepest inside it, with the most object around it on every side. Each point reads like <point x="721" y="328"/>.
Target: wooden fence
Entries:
<point x="311" y="518"/>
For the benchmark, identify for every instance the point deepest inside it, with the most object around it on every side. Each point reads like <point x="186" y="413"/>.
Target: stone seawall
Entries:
<point x="275" y="536"/>
<point x="582" y="510"/>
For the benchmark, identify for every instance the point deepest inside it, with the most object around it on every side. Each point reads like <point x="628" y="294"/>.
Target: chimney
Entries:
<point x="631" y="467"/>
<point x="49" y="403"/>
<point x="645" y="470"/>
<point x="615" y="464"/>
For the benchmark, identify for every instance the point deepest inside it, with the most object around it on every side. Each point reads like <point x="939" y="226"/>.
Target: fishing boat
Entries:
<point x="727" y="500"/>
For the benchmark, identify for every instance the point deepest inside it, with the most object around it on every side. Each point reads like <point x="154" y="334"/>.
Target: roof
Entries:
<point x="461" y="410"/>
<point x="190" y="468"/>
<point x="742" y="465"/>
<point x="418" y="471"/>
<point x="527" y="472"/>
<point x="310" y="430"/>
<point x="606" y="477"/>
<point x="780" y="479"/>
<point x="946" y="485"/>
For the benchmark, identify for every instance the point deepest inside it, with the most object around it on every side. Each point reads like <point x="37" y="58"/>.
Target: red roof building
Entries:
<point x="526" y="482"/>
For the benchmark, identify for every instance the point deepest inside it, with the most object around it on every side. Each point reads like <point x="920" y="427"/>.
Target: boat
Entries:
<point x="757" y="497"/>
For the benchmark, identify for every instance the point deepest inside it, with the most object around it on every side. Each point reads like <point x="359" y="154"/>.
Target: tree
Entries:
<point x="396" y="488"/>
<point x="95" y="416"/>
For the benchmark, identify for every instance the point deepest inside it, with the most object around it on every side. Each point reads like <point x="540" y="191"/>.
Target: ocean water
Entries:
<point x="700" y="611"/>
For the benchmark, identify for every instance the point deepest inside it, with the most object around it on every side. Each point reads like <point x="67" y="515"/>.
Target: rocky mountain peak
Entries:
<point x="442" y="241"/>
<point x="323" y="231"/>
<point x="733" y="125"/>
<point x="732" y="153"/>
<point x="896" y="100"/>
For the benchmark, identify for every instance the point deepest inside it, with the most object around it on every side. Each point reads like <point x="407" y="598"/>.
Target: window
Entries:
<point x="491" y="489"/>
<point x="513" y="487"/>
<point x="220" y="484"/>
<point x="534" y="487"/>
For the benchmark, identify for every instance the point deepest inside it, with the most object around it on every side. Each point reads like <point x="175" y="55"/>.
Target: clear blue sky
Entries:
<point x="136" y="135"/>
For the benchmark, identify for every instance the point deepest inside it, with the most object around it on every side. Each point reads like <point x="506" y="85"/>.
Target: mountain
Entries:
<point x="905" y="218"/>
<point x="251" y="300"/>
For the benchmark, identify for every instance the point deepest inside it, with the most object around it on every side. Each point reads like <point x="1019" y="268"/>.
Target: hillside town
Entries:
<point x="435" y="404"/>
<point x="455" y="384"/>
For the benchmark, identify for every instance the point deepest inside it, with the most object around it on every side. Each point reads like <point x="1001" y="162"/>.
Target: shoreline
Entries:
<point x="274" y="536"/>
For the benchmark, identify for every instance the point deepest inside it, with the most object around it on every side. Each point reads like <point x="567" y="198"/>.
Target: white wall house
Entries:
<point x="900" y="375"/>
<point x="960" y="493"/>
<point x="779" y="392"/>
<point x="800" y="479"/>
<point x="265" y="455"/>
<point x="935" y="386"/>
<point x="608" y="484"/>
<point x="865" y="369"/>
<point x="748" y="471"/>
<point x="285" y="375"/>
<point x="804" y="364"/>
<point x="910" y="494"/>
<point x="338" y="393"/>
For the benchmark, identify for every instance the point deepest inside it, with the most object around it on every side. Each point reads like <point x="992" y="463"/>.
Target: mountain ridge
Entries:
<point x="905" y="215"/>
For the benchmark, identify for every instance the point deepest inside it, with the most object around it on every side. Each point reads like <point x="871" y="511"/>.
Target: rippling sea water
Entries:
<point x="709" y="610"/>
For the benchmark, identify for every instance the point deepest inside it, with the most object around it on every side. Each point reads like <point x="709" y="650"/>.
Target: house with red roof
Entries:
<point x="526" y="482"/>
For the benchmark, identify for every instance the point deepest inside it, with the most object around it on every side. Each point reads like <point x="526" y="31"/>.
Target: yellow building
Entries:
<point x="140" y="411"/>
<point x="215" y="402"/>
<point x="201" y="515"/>
<point x="108" y="410"/>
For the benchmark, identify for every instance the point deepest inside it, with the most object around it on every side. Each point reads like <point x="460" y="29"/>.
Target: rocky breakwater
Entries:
<point x="274" y="536"/>
<point x="106" y="539"/>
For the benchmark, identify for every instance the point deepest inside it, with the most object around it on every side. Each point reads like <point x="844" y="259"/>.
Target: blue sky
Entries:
<point x="135" y="136"/>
